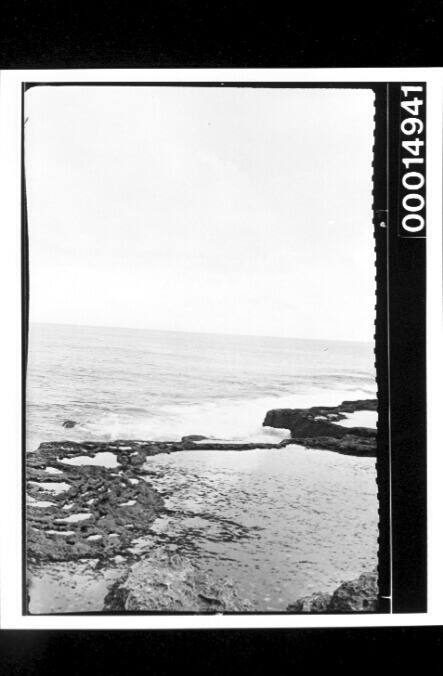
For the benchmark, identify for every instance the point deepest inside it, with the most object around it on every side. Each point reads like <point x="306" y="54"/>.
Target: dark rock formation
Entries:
<point x="69" y="423"/>
<point x="358" y="405"/>
<point x="317" y="427"/>
<point x="224" y="446"/>
<point x="169" y="583"/>
<point x="319" y="420"/>
<point x="350" y="444"/>
<point x="316" y="603"/>
<point x="360" y="595"/>
<point x="86" y="511"/>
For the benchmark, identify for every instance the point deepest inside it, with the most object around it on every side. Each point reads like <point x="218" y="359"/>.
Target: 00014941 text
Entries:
<point x="412" y="167"/>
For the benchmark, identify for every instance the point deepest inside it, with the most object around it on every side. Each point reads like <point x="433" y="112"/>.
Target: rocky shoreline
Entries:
<point x="319" y="427"/>
<point x="359" y="595"/>
<point x="170" y="583"/>
<point x="86" y="510"/>
<point x="91" y="501"/>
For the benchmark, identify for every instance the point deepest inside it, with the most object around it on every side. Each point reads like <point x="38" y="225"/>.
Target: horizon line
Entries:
<point x="204" y="333"/>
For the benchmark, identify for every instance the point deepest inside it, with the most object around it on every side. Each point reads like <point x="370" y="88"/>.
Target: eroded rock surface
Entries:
<point x="360" y="595"/>
<point x="169" y="583"/>
<point x="318" y="427"/>
<point x="86" y="500"/>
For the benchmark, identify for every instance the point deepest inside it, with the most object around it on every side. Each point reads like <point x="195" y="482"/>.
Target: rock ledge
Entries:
<point x="360" y="595"/>
<point x="318" y="427"/>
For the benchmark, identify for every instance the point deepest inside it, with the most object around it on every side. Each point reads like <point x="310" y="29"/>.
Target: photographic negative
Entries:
<point x="223" y="348"/>
<point x="201" y="397"/>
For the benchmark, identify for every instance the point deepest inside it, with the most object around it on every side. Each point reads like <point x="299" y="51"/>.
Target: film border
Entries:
<point x="402" y="512"/>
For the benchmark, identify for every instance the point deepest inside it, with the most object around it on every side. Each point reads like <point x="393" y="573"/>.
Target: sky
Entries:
<point x="222" y="210"/>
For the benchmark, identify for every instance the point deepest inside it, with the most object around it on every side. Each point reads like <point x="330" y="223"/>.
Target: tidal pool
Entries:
<point x="280" y="524"/>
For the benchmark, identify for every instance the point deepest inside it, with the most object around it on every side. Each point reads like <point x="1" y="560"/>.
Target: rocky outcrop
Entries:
<point x="167" y="582"/>
<point x="349" y="444"/>
<point x="358" y="405"/>
<point x="86" y="510"/>
<point x="315" y="603"/>
<point x="318" y="427"/>
<point x="360" y="595"/>
<point x="319" y="420"/>
<point x="69" y="423"/>
<point x="92" y="499"/>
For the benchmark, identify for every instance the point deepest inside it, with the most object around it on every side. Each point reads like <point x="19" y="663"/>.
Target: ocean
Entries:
<point x="160" y="385"/>
<point x="280" y="523"/>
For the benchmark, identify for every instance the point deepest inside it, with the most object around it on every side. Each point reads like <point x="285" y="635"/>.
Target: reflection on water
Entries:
<point x="280" y="523"/>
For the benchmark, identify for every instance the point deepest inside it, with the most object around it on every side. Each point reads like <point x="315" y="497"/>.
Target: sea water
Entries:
<point x="279" y="523"/>
<point x="162" y="385"/>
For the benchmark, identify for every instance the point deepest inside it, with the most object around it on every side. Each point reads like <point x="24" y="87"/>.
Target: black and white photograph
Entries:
<point x="222" y="349"/>
<point x="221" y="267"/>
<point x="201" y="391"/>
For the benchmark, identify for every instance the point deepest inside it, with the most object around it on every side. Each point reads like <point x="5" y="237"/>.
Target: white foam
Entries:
<point x="101" y="459"/>
<point x="60" y="532"/>
<point x="225" y="419"/>
<point x="95" y="537"/>
<point x="127" y="504"/>
<point x="53" y="470"/>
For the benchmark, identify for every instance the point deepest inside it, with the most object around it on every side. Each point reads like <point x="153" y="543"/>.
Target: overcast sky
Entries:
<point x="202" y="209"/>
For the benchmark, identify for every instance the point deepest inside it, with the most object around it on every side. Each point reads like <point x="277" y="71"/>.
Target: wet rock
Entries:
<point x="317" y="427"/>
<point x="360" y="595"/>
<point x="138" y="458"/>
<point x="222" y="446"/>
<point x="61" y="496"/>
<point x="316" y="603"/>
<point x="358" y="405"/>
<point x="349" y="444"/>
<point x="70" y="423"/>
<point x="167" y="582"/>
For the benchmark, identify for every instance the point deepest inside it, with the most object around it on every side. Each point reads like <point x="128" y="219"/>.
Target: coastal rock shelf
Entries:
<point x="86" y="500"/>
<point x="319" y="427"/>
<point x="360" y="595"/>
<point x="165" y="583"/>
<point x="92" y="499"/>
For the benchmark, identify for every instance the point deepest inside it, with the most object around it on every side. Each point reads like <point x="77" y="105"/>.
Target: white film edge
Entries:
<point x="222" y="348"/>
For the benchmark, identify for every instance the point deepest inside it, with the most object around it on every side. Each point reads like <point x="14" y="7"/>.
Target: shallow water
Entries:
<point x="280" y="523"/>
<point x="360" y="419"/>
